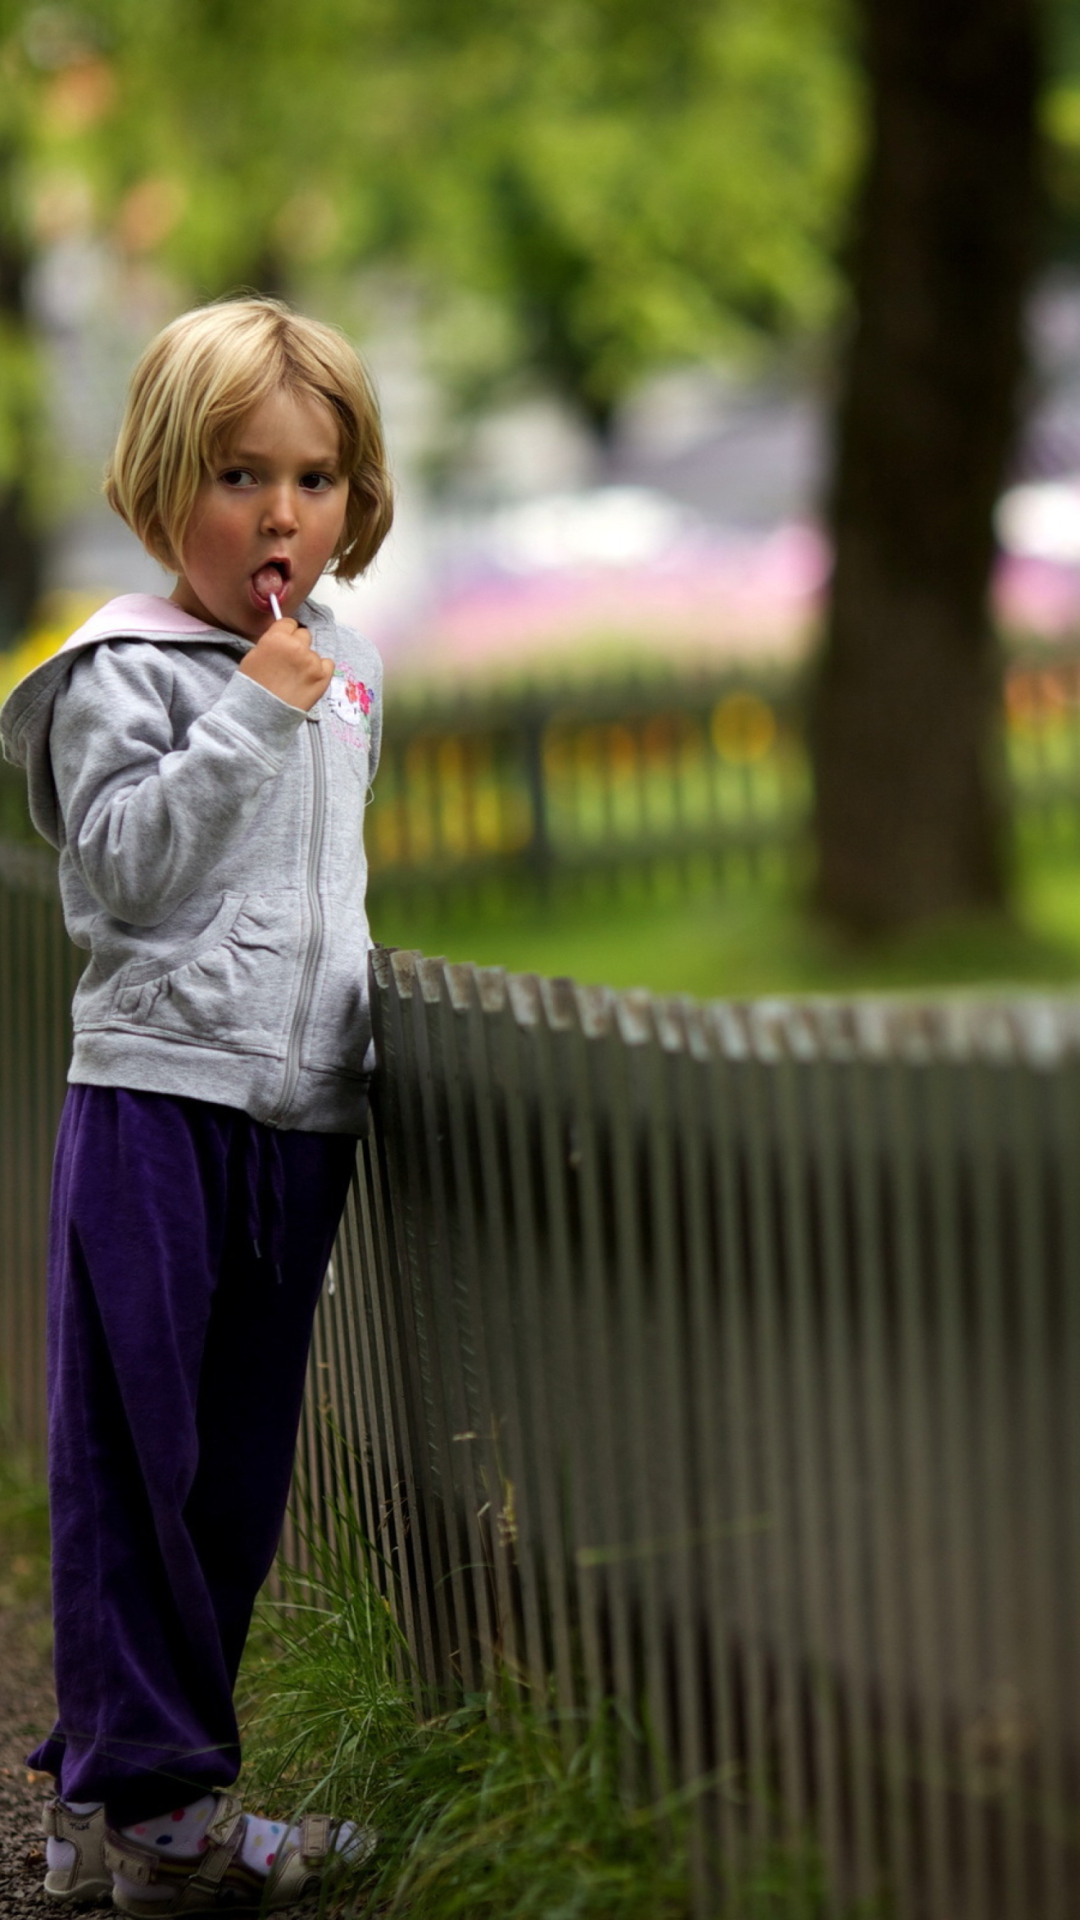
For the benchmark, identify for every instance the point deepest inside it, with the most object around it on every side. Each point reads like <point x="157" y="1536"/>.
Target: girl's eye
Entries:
<point x="236" y="477"/>
<point x="316" y="482"/>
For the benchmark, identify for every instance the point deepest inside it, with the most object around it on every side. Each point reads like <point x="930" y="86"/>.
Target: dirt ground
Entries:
<point x="26" y="1712"/>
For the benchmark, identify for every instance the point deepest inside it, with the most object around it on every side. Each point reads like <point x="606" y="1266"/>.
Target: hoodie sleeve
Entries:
<point x="146" y="816"/>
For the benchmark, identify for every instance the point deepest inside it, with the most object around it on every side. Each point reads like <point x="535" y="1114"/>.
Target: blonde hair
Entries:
<point x="200" y="378"/>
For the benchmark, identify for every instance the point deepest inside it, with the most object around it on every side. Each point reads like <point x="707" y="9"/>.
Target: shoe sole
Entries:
<point x="89" y="1893"/>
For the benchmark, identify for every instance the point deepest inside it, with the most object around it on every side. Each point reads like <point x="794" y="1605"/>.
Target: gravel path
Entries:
<point x="26" y="1711"/>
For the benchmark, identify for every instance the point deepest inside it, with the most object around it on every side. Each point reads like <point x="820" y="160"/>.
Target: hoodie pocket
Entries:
<point x="229" y="988"/>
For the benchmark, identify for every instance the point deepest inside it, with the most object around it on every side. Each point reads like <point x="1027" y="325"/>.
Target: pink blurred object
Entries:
<point x="1037" y="596"/>
<point x="736" y="593"/>
<point x="520" y="602"/>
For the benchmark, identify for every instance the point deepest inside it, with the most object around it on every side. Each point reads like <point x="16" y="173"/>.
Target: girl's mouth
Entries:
<point x="272" y="577"/>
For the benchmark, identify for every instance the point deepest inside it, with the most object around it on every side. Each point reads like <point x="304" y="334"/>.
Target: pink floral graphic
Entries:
<point x="359" y="694"/>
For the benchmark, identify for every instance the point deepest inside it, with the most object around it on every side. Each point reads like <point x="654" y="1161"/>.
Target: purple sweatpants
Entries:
<point x="188" y="1246"/>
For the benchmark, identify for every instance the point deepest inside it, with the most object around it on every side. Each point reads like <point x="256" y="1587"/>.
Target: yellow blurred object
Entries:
<point x="743" y="727"/>
<point x="59" y="615"/>
<point x="80" y="96"/>
<point x="1034" y="701"/>
<point x="149" y="213"/>
<point x="1061" y="114"/>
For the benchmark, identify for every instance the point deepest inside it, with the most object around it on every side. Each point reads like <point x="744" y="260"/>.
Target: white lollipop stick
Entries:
<point x="275" y="607"/>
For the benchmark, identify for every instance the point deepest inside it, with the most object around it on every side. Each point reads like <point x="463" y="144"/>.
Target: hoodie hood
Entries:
<point x="26" y="715"/>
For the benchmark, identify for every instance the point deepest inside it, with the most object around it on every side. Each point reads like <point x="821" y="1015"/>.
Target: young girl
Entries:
<point x="202" y="765"/>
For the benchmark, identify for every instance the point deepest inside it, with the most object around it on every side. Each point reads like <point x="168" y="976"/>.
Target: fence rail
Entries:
<point x="724" y="1360"/>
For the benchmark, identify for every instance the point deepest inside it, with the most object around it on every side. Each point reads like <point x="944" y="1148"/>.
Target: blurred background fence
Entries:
<point x="707" y="776"/>
<point x="550" y="785"/>
<point x="723" y="1360"/>
<point x="704" y="777"/>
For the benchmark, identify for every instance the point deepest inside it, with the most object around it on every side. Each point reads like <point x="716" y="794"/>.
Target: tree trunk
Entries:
<point x="909" y="808"/>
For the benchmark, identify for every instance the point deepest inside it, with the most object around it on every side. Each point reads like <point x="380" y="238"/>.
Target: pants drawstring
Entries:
<point x="265" y="1179"/>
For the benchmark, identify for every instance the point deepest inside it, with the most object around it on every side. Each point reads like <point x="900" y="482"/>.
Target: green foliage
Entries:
<point x="499" y="1823"/>
<point x="323" y="1668"/>
<point x="619" y="186"/>
<point x="498" y="1810"/>
<point x="19" y="405"/>
<point x="486" y="1812"/>
<point x="638" y="188"/>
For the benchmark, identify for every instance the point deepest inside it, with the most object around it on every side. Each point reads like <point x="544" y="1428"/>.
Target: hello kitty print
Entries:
<point x="349" y="701"/>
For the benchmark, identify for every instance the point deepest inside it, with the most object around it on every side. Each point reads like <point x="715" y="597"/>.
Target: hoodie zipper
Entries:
<point x="314" y="946"/>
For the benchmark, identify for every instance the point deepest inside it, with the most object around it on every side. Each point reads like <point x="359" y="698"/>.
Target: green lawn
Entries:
<point x="748" y="939"/>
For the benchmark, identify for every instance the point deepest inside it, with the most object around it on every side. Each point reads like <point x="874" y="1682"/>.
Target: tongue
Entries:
<point x="268" y="580"/>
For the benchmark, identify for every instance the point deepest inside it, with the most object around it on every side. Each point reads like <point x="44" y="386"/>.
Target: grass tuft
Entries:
<point x="486" y="1812"/>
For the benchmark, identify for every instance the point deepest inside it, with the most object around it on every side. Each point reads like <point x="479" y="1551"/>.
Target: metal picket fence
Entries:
<point x="38" y="971"/>
<point x="724" y="1360"/>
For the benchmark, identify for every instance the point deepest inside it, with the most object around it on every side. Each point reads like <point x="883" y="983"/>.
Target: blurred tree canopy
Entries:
<point x="579" y="190"/>
<point x="584" y="188"/>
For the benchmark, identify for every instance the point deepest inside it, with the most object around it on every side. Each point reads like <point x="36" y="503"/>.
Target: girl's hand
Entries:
<point x="284" y="662"/>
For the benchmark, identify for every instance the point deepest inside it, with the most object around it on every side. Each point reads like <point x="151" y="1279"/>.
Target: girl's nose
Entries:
<point x="279" y="514"/>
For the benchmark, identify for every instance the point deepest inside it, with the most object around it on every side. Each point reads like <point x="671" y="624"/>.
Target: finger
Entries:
<point x="327" y="666"/>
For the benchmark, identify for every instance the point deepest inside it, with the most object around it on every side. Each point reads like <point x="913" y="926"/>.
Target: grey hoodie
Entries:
<point x="211" y="860"/>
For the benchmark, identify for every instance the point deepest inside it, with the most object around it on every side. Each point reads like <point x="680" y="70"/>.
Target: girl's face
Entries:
<point x="268" y="517"/>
